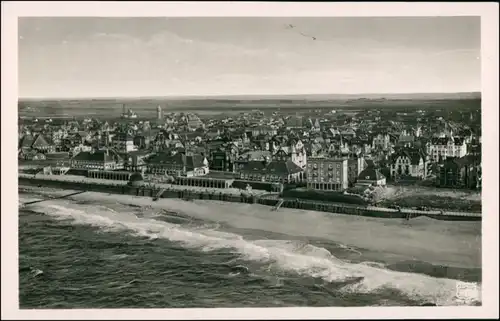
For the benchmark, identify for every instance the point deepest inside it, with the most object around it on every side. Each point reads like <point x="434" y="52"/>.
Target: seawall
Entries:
<point x="219" y="195"/>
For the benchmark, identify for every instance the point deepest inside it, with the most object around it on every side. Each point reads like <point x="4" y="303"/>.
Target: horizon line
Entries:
<point x="244" y="95"/>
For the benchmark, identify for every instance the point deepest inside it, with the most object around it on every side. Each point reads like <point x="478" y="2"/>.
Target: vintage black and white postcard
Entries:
<point x="284" y="160"/>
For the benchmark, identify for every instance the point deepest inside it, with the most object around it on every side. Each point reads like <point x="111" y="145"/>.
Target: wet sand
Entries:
<point x="445" y="243"/>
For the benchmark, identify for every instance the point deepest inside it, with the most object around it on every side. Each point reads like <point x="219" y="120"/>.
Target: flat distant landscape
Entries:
<point x="146" y="107"/>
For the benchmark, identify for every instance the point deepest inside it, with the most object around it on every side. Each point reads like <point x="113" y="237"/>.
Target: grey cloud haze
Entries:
<point x="99" y="57"/>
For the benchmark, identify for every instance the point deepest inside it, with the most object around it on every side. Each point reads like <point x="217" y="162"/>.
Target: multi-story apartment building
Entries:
<point x="223" y="158"/>
<point x="381" y="141"/>
<point x="355" y="164"/>
<point x="297" y="156"/>
<point x="58" y="136"/>
<point x="327" y="173"/>
<point x="124" y="142"/>
<point x="443" y="147"/>
<point x="464" y="172"/>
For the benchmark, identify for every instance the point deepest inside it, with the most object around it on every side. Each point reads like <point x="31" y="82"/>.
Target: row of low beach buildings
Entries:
<point x="332" y="152"/>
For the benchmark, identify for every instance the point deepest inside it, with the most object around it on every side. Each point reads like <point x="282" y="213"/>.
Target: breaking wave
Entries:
<point x="290" y="256"/>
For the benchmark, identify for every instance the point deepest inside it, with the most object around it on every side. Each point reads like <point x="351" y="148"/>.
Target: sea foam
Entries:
<point x="288" y="255"/>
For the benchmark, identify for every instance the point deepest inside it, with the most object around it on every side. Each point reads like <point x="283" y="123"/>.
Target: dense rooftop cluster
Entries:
<point x="265" y="146"/>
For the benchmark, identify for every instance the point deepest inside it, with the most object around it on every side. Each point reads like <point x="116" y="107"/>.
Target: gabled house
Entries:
<point x="82" y="136"/>
<point x="406" y="139"/>
<point x="42" y="144"/>
<point x="371" y="176"/>
<point x="25" y="143"/>
<point x="348" y="133"/>
<point x="281" y="154"/>
<point x="30" y="155"/>
<point x="408" y="162"/>
<point x="135" y="161"/>
<point x="58" y="136"/>
<point x="439" y="148"/>
<point x="381" y="141"/>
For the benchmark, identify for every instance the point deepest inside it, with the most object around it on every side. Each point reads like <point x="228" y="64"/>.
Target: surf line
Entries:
<point x="53" y="198"/>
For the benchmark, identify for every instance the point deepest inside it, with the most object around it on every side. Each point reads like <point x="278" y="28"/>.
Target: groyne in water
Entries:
<point x="220" y="195"/>
<point x="53" y="198"/>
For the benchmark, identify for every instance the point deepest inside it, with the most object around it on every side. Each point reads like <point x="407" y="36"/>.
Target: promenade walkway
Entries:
<point x="237" y="192"/>
<point x="81" y="179"/>
<point x="377" y="208"/>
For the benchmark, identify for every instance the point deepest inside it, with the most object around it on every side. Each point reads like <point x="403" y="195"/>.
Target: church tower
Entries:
<point x="158" y="112"/>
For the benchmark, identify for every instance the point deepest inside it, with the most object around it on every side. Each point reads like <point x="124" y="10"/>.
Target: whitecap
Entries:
<point x="290" y="256"/>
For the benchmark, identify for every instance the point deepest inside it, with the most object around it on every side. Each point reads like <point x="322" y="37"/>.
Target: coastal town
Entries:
<point x="337" y="151"/>
<point x="179" y="161"/>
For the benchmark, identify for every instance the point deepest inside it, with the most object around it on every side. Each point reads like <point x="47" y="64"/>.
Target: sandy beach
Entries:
<point x="452" y="244"/>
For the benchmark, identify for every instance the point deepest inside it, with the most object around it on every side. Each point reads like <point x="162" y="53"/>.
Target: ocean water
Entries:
<point x="75" y="254"/>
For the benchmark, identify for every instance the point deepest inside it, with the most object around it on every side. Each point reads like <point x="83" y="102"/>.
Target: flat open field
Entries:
<point x="414" y="196"/>
<point x="146" y="107"/>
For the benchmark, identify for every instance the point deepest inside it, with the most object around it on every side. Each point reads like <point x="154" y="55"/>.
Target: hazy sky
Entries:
<point x="110" y="57"/>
